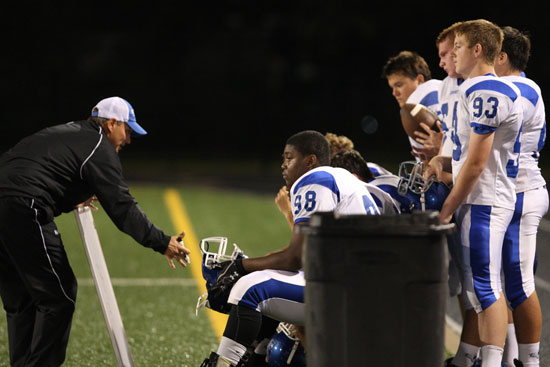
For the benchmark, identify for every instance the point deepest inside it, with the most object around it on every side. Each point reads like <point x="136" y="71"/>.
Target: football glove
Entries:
<point x="230" y="272"/>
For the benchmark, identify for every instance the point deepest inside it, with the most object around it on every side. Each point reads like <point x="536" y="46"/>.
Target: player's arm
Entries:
<point x="288" y="258"/>
<point x="440" y="166"/>
<point x="478" y="154"/>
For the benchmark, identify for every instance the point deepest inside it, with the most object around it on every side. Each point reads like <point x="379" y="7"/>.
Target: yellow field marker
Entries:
<point x="181" y="221"/>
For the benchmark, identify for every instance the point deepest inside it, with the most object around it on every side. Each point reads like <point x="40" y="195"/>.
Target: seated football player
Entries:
<point x="338" y="144"/>
<point x="356" y="164"/>
<point x="273" y="285"/>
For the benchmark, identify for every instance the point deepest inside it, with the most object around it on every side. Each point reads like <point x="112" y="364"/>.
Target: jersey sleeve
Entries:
<point x="489" y="105"/>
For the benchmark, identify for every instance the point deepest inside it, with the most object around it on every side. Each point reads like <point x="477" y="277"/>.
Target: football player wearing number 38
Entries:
<point x="273" y="285"/>
<point x="484" y="166"/>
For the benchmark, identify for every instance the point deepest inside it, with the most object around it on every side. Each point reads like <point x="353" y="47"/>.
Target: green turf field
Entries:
<point x="157" y="303"/>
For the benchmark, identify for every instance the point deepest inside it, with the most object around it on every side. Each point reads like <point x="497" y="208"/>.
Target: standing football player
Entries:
<point x="448" y="98"/>
<point x="531" y="204"/>
<point x="273" y="285"/>
<point x="409" y="77"/>
<point x="484" y="164"/>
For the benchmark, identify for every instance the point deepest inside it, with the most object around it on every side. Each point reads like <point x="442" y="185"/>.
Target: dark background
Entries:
<point x="227" y="79"/>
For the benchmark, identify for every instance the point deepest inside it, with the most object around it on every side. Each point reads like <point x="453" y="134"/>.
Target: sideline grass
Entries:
<point x="160" y="320"/>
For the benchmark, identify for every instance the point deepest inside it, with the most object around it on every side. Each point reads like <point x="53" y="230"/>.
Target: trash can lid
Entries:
<point x="413" y="224"/>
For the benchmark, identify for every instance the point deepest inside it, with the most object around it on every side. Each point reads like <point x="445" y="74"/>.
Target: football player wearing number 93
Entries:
<point x="484" y="165"/>
<point x="273" y="285"/>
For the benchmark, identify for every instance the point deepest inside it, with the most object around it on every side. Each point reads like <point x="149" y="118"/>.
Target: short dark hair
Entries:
<point x="311" y="142"/>
<point x="517" y="46"/>
<point x="409" y="63"/>
<point x="353" y="162"/>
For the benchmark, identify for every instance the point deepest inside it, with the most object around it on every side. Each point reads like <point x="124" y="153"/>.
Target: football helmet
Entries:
<point x="421" y="194"/>
<point x="284" y="349"/>
<point x="211" y="260"/>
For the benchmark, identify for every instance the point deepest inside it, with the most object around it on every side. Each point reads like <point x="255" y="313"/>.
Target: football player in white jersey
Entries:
<point x="484" y="165"/>
<point x="356" y="164"/>
<point x="448" y="99"/>
<point x="531" y="203"/>
<point x="378" y="170"/>
<point x="273" y="285"/>
<point x="409" y="77"/>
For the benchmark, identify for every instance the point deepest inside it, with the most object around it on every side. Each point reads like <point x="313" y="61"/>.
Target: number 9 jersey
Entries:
<point x="330" y="189"/>
<point x="490" y="104"/>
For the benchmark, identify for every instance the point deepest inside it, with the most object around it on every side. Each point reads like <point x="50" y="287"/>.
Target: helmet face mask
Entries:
<point x="425" y="194"/>
<point x="210" y="258"/>
<point x="411" y="178"/>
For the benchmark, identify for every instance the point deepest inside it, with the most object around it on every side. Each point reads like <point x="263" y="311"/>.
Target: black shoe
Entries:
<point x="518" y="363"/>
<point x="210" y="361"/>
<point x="449" y="362"/>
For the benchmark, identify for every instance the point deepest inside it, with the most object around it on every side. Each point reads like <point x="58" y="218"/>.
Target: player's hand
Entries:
<point x="434" y="168"/>
<point x="90" y="202"/>
<point x="282" y="200"/>
<point x="177" y="251"/>
<point x="431" y="141"/>
<point x="218" y="294"/>
<point x="445" y="218"/>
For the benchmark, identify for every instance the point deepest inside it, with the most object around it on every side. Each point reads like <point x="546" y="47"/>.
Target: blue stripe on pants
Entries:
<point x="513" y="280"/>
<point x="272" y="288"/>
<point x="480" y="245"/>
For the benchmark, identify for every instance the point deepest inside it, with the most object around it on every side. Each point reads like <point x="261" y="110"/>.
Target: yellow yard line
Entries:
<point x="181" y="221"/>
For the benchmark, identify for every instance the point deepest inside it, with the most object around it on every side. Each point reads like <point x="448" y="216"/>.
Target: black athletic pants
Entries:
<point x="37" y="285"/>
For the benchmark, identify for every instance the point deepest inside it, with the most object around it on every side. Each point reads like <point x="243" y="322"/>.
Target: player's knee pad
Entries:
<point x="243" y="325"/>
<point x="518" y="293"/>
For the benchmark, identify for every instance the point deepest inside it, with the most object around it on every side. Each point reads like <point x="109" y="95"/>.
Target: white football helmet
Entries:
<point x="211" y="258"/>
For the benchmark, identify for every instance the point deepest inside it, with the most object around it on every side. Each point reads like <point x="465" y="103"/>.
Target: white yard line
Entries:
<point x="143" y="282"/>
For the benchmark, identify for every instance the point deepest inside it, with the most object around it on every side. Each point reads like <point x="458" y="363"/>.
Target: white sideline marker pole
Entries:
<point x="102" y="280"/>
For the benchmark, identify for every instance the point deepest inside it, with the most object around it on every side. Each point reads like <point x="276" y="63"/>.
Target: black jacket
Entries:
<point x="64" y="165"/>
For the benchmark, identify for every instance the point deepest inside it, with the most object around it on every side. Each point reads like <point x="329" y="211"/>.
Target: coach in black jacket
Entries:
<point x="47" y="174"/>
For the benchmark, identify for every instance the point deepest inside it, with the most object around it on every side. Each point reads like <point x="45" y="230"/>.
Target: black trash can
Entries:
<point x="375" y="290"/>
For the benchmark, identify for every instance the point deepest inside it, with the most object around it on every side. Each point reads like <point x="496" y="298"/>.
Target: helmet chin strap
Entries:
<point x="423" y="201"/>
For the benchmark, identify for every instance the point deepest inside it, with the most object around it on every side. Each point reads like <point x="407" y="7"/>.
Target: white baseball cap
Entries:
<point x="119" y="109"/>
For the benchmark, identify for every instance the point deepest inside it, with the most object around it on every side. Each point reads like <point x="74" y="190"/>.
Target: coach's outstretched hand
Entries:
<point x="176" y="250"/>
<point x="90" y="202"/>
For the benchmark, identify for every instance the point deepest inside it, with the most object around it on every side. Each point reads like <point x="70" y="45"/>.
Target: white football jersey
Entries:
<point x="488" y="103"/>
<point x="377" y="170"/>
<point x="330" y="189"/>
<point x="390" y="184"/>
<point x="383" y="200"/>
<point x="448" y="103"/>
<point x="425" y="94"/>
<point x="533" y="134"/>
